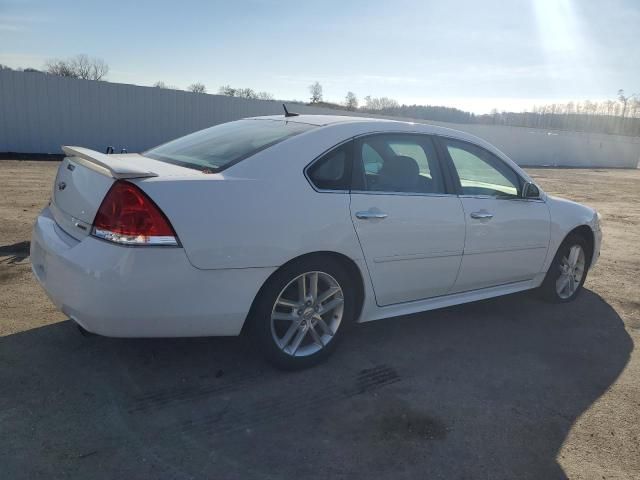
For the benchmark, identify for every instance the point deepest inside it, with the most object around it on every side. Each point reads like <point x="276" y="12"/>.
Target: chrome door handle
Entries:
<point x="368" y="214"/>
<point x="481" y="215"/>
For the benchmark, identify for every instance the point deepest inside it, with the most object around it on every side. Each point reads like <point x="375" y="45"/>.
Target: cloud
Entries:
<point x="19" y="23"/>
<point x="360" y="79"/>
<point x="6" y="27"/>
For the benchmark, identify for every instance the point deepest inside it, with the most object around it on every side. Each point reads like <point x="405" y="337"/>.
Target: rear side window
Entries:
<point x="333" y="170"/>
<point x="219" y="147"/>
<point x="371" y="160"/>
<point x="398" y="163"/>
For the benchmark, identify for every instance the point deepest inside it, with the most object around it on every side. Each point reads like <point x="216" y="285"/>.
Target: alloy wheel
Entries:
<point x="572" y="267"/>
<point x="307" y="314"/>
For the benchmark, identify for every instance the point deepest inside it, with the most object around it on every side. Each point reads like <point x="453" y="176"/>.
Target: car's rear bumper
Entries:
<point x="123" y="291"/>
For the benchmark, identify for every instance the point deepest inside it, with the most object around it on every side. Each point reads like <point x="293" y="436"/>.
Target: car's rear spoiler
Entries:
<point x="107" y="164"/>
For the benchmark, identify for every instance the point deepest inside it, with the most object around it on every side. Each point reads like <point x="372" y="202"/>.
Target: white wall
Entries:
<point x="38" y="113"/>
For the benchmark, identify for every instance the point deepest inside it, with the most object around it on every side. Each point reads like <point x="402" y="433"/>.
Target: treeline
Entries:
<point x="426" y="112"/>
<point x="620" y="117"/>
<point x="579" y="122"/>
<point x="80" y="66"/>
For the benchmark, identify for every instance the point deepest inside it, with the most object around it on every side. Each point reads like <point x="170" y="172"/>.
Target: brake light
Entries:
<point x="128" y="216"/>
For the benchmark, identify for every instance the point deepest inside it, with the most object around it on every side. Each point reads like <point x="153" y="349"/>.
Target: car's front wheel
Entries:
<point x="568" y="271"/>
<point x="302" y="312"/>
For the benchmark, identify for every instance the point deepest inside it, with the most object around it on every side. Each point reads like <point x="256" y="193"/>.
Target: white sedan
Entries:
<point x="293" y="227"/>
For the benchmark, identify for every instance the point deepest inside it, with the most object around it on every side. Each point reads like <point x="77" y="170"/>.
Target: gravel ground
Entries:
<point x="506" y="388"/>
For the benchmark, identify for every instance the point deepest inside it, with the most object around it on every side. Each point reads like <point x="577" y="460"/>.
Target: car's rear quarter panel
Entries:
<point x="261" y="212"/>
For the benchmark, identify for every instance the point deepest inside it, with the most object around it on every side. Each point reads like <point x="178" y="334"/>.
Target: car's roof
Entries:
<point x="374" y="123"/>
<point x="321" y="120"/>
<point x="326" y="120"/>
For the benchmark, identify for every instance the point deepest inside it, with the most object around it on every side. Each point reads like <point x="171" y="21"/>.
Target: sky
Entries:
<point x="473" y="55"/>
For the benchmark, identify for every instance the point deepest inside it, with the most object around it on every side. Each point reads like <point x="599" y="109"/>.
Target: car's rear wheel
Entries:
<point x="567" y="272"/>
<point x="302" y="311"/>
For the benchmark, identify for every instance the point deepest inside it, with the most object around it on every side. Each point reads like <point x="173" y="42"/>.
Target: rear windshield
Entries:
<point x="219" y="147"/>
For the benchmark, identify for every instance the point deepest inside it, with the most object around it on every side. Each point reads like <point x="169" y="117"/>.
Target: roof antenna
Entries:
<point x="287" y="113"/>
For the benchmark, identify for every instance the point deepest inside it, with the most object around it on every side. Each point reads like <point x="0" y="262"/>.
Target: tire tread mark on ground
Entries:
<point x="173" y="396"/>
<point x="275" y="409"/>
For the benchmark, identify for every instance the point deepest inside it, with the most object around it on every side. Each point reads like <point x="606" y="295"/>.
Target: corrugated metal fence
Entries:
<point x="38" y="113"/>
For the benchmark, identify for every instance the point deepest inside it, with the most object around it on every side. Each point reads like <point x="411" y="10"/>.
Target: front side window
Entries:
<point x="218" y="147"/>
<point x="399" y="163"/>
<point x="480" y="172"/>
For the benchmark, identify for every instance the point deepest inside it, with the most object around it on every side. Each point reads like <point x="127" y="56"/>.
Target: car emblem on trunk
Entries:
<point x="62" y="186"/>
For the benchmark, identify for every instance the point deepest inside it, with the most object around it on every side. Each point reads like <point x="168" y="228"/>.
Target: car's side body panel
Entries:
<point x="509" y="247"/>
<point x="414" y="252"/>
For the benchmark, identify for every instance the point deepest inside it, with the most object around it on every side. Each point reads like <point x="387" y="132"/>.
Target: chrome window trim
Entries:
<point x="404" y="194"/>
<point x="393" y="132"/>
<point x="327" y="191"/>
<point x="430" y="135"/>
<point x="496" y="197"/>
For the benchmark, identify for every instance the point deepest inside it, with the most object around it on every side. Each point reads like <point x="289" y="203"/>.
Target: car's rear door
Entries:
<point x="410" y="225"/>
<point x="507" y="236"/>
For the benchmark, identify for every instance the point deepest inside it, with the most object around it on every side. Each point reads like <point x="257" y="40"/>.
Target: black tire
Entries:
<point x="548" y="289"/>
<point x="264" y="305"/>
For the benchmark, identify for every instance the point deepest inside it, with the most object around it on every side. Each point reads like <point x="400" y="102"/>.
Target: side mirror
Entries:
<point x="530" y="190"/>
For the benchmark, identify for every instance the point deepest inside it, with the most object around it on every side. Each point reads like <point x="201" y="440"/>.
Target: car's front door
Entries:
<point x="410" y="225"/>
<point x="507" y="236"/>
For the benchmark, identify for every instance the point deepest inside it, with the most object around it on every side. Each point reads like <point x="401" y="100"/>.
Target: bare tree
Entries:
<point x="197" y="88"/>
<point x="381" y="103"/>
<point x="624" y="101"/>
<point x="315" y="90"/>
<point x="60" y="68"/>
<point x="80" y="66"/>
<point x="246" y="93"/>
<point x="351" y="101"/>
<point x="250" y="93"/>
<point x="264" y="96"/>
<point x="635" y="108"/>
<point x="161" y="84"/>
<point x="227" y="90"/>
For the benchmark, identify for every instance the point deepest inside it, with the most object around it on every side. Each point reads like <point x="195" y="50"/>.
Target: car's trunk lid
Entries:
<point x="84" y="178"/>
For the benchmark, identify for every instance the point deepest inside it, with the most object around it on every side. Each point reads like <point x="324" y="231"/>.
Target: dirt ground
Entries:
<point x="507" y="388"/>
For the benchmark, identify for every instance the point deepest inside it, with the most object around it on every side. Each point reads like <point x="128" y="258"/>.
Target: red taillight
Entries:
<point x="128" y="216"/>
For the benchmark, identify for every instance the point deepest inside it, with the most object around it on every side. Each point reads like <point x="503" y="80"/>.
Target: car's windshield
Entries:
<point x="218" y="147"/>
